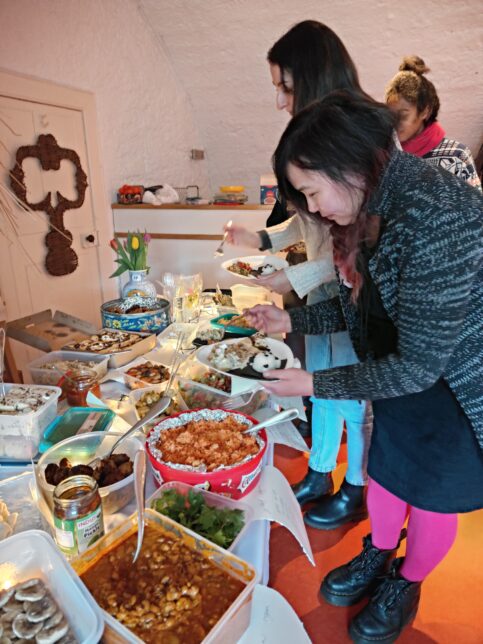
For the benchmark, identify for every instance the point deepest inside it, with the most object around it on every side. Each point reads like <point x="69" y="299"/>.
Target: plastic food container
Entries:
<point x="83" y="449"/>
<point x="33" y="554"/>
<point x="19" y="494"/>
<point x="76" y="420"/>
<point x="235" y="481"/>
<point x="135" y="396"/>
<point x="212" y="500"/>
<point x="20" y="434"/>
<point x="51" y="376"/>
<point x="233" y="623"/>
<point x="197" y="395"/>
<point x="120" y="358"/>
<point x="136" y="383"/>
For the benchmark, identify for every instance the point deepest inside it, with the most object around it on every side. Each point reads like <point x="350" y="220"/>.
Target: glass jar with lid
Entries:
<point x="77" y="383"/>
<point x="78" y="519"/>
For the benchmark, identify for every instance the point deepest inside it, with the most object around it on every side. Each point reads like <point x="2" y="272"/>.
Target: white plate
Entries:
<point x="255" y="261"/>
<point x="278" y="348"/>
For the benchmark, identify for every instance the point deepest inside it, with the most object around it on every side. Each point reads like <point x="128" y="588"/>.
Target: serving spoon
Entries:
<point x="139" y="478"/>
<point x="286" y="415"/>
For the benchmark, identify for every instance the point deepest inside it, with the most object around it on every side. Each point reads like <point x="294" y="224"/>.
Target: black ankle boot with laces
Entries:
<point x="391" y="608"/>
<point x="348" y="584"/>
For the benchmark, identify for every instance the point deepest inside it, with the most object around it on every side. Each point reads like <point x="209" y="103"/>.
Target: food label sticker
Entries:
<point x="75" y="536"/>
<point x="89" y="423"/>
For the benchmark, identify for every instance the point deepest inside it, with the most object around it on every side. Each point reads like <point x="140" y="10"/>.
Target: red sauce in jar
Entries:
<point x="78" y="383"/>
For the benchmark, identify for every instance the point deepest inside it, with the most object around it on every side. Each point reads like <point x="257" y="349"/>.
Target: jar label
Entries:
<point x="74" y="536"/>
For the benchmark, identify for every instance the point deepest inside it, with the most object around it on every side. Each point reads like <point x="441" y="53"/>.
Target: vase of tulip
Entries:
<point x="132" y="257"/>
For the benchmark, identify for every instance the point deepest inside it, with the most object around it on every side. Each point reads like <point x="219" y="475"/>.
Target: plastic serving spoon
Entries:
<point x="288" y="414"/>
<point x="139" y="478"/>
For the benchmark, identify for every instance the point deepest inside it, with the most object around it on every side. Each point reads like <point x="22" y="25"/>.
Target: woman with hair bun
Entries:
<point x="413" y="98"/>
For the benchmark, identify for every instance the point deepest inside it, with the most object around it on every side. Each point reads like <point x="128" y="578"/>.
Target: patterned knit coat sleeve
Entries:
<point x="427" y="296"/>
<point x="318" y="319"/>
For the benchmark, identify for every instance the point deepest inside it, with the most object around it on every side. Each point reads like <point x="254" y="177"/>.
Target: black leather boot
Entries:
<point x="392" y="607"/>
<point x="347" y="505"/>
<point x="348" y="584"/>
<point x="314" y="486"/>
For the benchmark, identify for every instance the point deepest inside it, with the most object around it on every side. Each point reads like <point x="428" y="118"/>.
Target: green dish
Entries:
<point x="238" y="330"/>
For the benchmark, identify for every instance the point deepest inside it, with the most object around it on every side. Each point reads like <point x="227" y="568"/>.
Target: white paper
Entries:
<point x="287" y="434"/>
<point x="285" y="402"/>
<point x="273" y="620"/>
<point x="274" y="500"/>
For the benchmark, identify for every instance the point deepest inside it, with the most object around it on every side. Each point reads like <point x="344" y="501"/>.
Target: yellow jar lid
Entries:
<point x="232" y="188"/>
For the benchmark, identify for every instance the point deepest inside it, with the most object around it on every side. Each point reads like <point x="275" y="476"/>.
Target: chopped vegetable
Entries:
<point x="220" y="525"/>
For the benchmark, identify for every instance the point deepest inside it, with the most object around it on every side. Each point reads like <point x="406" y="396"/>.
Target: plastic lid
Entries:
<point x="232" y="188"/>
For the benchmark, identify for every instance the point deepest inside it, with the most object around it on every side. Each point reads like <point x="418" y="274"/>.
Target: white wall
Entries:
<point x="145" y="119"/>
<point x="170" y="75"/>
<point x="219" y="47"/>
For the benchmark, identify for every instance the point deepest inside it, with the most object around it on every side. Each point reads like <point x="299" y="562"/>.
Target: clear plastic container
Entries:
<point x="33" y="554"/>
<point x="236" y="619"/>
<point x="177" y="404"/>
<point x="212" y="500"/>
<point x="19" y="493"/>
<point x="51" y="376"/>
<point x="199" y="396"/>
<point x="83" y="449"/>
<point x="20" y="434"/>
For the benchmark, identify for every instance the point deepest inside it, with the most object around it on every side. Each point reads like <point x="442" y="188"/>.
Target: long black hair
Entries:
<point x="342" y="136"/>
<point x="318" y="61"/>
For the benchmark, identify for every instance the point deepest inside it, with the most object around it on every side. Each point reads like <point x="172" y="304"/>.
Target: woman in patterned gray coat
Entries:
<point x="407" y="241"/>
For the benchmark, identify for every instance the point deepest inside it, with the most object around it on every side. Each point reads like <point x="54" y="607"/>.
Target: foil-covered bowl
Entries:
<point x="233" y="481"/>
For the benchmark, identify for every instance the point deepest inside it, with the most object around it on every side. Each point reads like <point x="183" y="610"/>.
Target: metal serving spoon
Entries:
<point x="288" y="414"/>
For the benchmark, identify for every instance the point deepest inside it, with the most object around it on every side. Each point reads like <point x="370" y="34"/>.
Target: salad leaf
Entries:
<point x="219" y="525"/>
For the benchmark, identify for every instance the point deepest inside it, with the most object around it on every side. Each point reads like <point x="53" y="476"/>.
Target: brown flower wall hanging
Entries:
<point x="61" y="259"/>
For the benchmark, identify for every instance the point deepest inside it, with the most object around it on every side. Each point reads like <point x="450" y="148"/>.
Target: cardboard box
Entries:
<point x="49" y="332"/>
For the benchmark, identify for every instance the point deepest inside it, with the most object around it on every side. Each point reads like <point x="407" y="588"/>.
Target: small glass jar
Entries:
<point x="77" y="384"/>
<point x="78" y="519"/>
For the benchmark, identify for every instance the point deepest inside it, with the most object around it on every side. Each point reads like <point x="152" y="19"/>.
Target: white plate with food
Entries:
<point x="247" y="357"/>
<point x="254" y="266"/>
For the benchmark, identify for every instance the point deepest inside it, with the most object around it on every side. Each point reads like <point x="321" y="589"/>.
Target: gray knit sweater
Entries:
<point x="428" y="270"/>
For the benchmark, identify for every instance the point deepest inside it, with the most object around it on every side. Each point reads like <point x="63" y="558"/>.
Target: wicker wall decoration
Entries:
<point x="61" y="259"/>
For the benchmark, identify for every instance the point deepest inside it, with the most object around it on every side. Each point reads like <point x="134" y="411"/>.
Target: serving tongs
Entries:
<point x="283" y="416"/>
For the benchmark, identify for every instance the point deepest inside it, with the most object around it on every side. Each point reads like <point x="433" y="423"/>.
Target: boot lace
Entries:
<point x="366" y="560"/>
<point x="389" y="592"/>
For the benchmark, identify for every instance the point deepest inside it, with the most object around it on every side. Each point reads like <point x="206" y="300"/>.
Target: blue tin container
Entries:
<point x="116" y="314"/>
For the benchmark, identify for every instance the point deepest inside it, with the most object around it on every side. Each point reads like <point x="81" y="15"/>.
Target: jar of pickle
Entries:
<point x="77" y="383"/>
<point x="78" y="519"/>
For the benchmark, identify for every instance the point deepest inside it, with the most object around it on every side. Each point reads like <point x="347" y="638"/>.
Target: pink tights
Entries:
<point x="430" y="534"/>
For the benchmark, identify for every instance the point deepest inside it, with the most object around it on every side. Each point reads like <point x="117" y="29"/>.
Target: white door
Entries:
<point x="25" y="284"/>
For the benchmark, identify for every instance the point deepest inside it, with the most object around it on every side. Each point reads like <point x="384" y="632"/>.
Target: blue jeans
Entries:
<point x="328" y="416"/>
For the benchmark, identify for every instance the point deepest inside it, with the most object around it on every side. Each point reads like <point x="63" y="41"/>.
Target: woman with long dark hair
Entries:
<point x="408" y="252"/>
<point x="307" y="63"/>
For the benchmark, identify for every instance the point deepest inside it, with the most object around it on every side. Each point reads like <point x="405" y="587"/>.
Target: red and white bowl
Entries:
<point x="234" y="481"/>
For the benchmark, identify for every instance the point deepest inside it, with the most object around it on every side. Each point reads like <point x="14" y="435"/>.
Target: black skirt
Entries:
<point x="423" y="448"/>
<point x="424" y="451"/>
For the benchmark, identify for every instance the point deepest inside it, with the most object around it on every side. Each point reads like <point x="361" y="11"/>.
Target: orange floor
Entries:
<point x="451" y="609"/>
